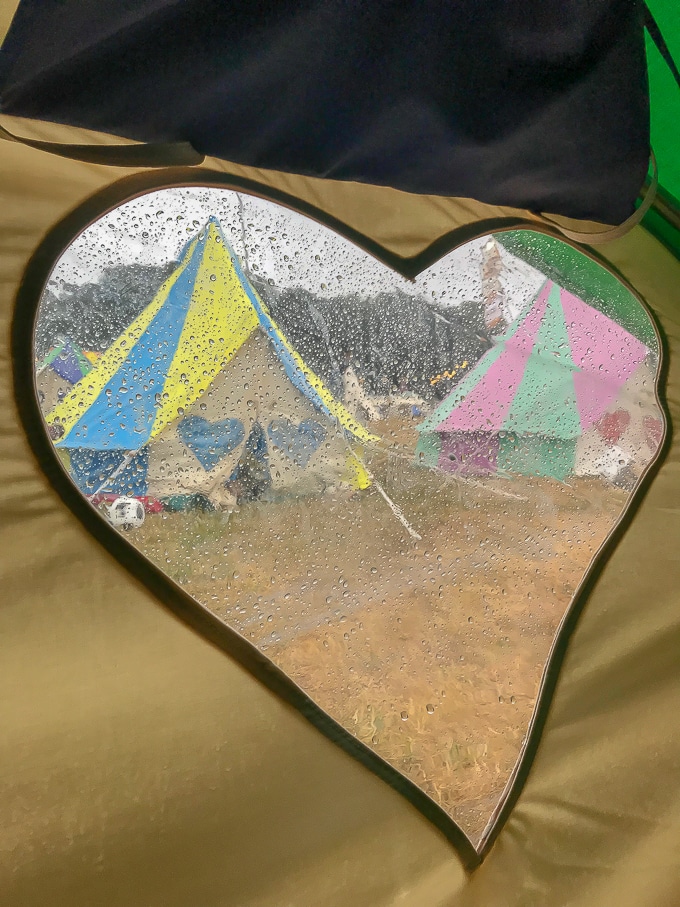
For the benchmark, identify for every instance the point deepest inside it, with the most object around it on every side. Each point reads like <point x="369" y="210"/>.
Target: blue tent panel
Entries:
<point x="116" y="419"/>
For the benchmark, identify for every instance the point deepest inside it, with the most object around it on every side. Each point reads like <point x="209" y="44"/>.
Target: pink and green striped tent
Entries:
<point x="545" y="382"/>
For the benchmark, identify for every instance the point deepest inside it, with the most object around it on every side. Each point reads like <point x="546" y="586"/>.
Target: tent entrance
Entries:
<point x="251" y="478"/>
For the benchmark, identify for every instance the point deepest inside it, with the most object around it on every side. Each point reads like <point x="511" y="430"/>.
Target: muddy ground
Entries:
<point x="429" y="651"/>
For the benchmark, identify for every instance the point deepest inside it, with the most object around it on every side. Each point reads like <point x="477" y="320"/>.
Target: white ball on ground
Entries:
<point x="126" y="513"/>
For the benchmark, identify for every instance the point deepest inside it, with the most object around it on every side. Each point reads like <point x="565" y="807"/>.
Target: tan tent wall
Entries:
<point x="140" y="765"/>
<point x="173" y="469"/>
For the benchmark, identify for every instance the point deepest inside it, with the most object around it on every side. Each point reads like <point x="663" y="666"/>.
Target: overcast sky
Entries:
<point x="285" y="248"/>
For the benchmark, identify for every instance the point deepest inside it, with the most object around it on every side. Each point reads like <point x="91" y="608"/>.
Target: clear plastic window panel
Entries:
<point x="392" y="488"/>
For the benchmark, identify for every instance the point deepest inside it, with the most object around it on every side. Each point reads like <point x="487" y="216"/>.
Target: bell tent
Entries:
<point x="151" y="754"/>
<point x="220" y="384"/>
<point x="524" y="406"/>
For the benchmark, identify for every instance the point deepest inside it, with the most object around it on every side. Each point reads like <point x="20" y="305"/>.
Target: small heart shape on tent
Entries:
<point x="297" y="442"/>
<point x="208" y="441"/>
<point x="612" y="425"/>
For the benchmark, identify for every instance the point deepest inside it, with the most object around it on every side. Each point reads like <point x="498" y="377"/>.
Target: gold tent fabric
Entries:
<point x="141" y="765"/>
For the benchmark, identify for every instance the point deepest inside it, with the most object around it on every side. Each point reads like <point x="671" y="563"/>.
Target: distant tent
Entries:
<point x="548" y="380"/>
<point x="200" y="388"/>
<point x="63" y="366"/>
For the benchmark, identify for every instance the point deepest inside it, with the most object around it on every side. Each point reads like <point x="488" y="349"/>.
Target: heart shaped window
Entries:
<point x="390" y="488"/>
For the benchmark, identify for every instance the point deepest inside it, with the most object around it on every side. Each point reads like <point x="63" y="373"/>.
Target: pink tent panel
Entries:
<point x="487" y="404"/>
<point x="606" y="354"/>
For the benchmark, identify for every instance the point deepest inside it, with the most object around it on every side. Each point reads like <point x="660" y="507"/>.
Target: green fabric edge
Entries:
<point x="580" y="275"/>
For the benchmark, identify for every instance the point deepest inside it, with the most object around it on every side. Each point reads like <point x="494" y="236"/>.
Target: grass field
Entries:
<point x="429" y="651"/>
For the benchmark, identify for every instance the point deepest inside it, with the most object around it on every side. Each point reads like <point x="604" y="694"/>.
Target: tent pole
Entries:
<point x="246" y="265"/>
<point x="116" y="472"/>
<point x="390" y="503"/>
<point x="393" y="507"/>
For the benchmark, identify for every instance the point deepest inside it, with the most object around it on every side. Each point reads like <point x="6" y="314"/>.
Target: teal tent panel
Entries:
<point x="545" y="402"/>
<point x="533" y="455"/>
<point x="428" y="449"/>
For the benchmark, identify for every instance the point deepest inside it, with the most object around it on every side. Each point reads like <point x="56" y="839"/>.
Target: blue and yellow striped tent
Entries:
<point x="202" y="376"/>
